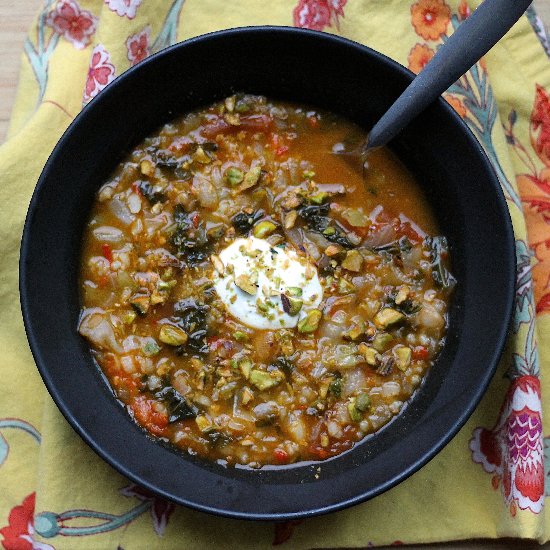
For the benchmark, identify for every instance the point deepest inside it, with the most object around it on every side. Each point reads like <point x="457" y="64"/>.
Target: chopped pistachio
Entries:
<point x="285" y="338"/>
<point x="353" y="261"/>
<point x="203" y="423"/>
<point x="345" y="287"/>
<point x="387" y="317"/>
<point x="310" y="322"/>
<point x="167" y="285"/>
<point x="319" y="198"/>
<point x="294" y="291"/>
<point x="403" y="355"/>
<point x="150" y="348"/>
<point x="263" y="229"/>
<point x="230" y="103"/>
<point x="356" y="217"/>
<point x="146" y="167"/>
<point x="233" y="176"/>
<point x="201" y="156"/>
<point x="157" y="299"/>
<point x="172" y="335"/>
<point x="245" y="365"/>
<point x="402" y="294"/>
<point x="362" y="402"/>
<point x="355" y="332"/>
<point x="247" y="395"/>
<point x="141" y="304"/>
<point x="291" y="305"/>
<point x="218" y="264"/>
<point x="128" y="317"/>
<point x="247" y="283"/>
<point x="264" y="380"/>
<point x="329" y="231"/>
<point x="370" y="354"/>
<point x="333" y="250"/>
<point x="290" y="219"/>
<point x="308" y="174"/>
<point x="240" y="336"/>
<point x="381" y="341"/>
<point x="232" y="118"/>
<point x="251" y="178"/>
<point x="354" y="414"/>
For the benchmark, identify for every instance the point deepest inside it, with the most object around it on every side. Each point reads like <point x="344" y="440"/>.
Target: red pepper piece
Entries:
<point x="107" y="252"/>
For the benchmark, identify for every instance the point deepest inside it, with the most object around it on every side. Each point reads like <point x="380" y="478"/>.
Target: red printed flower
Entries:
<point x="540" y="125"/>
<point x="160" y="510"/>
<point x="123" y="8"/>
<point x="18" y="535"/>
<point x="75" y="24"/>
<point x="456" y="104"/>
<point x="419" y="56"/>
<point x="430" y="18"/>
<point x="100" y="73"/>
<point x="464" y="10"/>
<point x="318" y="14"/>
<point x="138" y="46"/>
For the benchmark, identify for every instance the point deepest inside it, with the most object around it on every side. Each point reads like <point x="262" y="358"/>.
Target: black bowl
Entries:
<point x="327" y="72"/>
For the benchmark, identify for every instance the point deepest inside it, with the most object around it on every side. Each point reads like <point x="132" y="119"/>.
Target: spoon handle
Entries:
<point x="473" y="39"/>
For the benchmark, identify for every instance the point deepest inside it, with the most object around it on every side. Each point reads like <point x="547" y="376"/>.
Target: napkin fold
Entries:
<point x="488" y="482"/>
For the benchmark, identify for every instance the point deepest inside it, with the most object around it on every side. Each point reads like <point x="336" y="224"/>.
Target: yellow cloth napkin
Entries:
<point x="488" y="482"/>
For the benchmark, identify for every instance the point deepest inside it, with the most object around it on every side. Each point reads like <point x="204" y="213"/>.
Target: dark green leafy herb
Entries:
<point x="243" y="222"/>
<point x="318" y="220"/>
<point x="153" y="193"/>
<point x="190" y="237"/>
<point x="284" y="364"/>
<point x="178" y="407"/>
<point x="401" y="246"/>
<point x="439" y="250"/>
<point x="335" y="387"/>
<point x="192" y="317"/>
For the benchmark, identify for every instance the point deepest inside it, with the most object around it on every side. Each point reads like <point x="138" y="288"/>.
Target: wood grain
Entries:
<point x="15" y="18"/>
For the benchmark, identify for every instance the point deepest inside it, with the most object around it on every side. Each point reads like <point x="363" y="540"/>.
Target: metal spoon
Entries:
<point x="473" y="39"/>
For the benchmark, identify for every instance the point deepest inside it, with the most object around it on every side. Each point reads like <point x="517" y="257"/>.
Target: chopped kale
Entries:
<point x="190" y="237"/>
<point x="243" y="222"/>
<point x="192" y="317"/>
<point x="284" y="364"/>
<point x="178" y="407"/>
<point x="317" y="219"/>
<point x="439" y="250"/>
<point x="153" y="193"/>
<point x="400" y="246"/>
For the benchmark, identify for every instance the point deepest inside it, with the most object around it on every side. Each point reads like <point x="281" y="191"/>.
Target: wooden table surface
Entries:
<point x="15" y="18"/>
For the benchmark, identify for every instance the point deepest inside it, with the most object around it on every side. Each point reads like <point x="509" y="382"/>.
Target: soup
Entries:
<point x="250" y="297"/>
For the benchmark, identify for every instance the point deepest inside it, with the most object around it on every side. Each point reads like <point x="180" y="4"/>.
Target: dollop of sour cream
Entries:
<point x="266" y="287"/>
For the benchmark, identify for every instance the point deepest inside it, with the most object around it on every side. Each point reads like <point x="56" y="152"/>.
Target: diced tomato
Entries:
<point x="253" y="123"/>
<point x="136" y="188"/>
<point x="280" y="455"/>
<point x="281" y="150"/>
<point x="146" y="415"/>
<point x="107" y="251"/>
<point x="196" y="220"/>
<point x="406" y="229"/>
<point x="420" y="353"/>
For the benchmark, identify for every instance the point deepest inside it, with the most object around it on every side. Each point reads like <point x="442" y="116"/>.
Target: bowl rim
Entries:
<point x="476" y="395"/>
